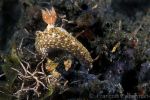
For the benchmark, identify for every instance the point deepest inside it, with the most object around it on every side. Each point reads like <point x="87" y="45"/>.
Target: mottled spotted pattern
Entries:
<point x="58" y="38"/>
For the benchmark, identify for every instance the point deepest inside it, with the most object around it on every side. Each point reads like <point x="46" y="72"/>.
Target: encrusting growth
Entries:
<point x="58" y="38"/>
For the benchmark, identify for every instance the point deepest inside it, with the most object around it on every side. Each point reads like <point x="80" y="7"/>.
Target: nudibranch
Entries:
<point x="53" y="38"/>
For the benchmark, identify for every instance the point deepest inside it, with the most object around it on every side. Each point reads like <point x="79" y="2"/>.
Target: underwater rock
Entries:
<point x="144" y="74"/>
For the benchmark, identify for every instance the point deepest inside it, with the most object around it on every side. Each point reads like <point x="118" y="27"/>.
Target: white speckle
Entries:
<point x="57" y="36"/>
<point x="73" y="43"/>
<point x="61" y="29"/>
<point x="66" y="39"/>
<point x="53" y="35"/>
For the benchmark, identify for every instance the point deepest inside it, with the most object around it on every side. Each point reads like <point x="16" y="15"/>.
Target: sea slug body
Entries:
<point x="58" y="38"/>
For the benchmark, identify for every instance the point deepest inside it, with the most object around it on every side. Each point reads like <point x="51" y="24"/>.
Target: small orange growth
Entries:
<point x="51" y="65"/>
<point x="49" y="68"/>
<point x="56" y="74"/>
<point x="49" y="16"/>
